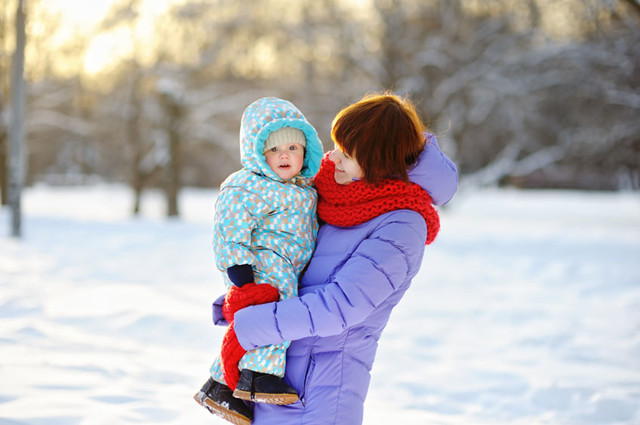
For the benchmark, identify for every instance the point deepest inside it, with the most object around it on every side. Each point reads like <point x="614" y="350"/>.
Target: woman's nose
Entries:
<point x="334" y="157"/>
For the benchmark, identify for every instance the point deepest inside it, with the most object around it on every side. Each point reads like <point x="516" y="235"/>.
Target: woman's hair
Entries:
<point x="383" y="132"/>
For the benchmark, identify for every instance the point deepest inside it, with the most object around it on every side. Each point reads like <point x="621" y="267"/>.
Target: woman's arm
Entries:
<point x="373" y="272"/>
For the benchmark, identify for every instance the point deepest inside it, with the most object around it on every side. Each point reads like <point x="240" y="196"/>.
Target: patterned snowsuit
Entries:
<point x="267" y="222"/>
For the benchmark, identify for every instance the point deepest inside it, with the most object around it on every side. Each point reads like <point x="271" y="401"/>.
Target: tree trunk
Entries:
<point x="173" y="167"/>
<point x="16" y="163"/>
<point x="4" y="199"/>
<point x="137" y="186"/>
<point x="170" y="99"/>
<point x="4" y="92"/>
<point x="132" y="138"/>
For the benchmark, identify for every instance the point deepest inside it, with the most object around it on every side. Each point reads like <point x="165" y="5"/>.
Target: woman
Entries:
<point x="376" y="217"/>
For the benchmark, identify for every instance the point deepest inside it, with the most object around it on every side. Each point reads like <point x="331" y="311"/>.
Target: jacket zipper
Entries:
<point x="307" y="375"/>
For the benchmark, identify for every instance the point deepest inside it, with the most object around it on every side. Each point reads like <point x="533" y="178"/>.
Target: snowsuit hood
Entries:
<point x="263" y="117"/>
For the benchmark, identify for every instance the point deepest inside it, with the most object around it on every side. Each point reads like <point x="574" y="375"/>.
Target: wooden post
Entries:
<point x="16" y="128"/>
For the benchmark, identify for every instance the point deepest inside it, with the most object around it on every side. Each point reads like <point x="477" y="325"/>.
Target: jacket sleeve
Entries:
<point x="376" y="269"/>
<point x="435" y="172"/>
<point x="237" y="212"/>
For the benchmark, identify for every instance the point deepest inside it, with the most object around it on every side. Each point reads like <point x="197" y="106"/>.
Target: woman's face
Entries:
<point x="347" y="168"/>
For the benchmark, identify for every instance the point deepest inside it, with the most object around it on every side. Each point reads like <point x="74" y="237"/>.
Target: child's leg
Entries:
<point x="216" y="371"/>
<point x="270" y="359"/>
<point x="263" y="368"/>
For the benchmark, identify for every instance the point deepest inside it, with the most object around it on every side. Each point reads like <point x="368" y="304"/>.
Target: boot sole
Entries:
<point x="279" y="399"/>
<point x="221" y="411"/>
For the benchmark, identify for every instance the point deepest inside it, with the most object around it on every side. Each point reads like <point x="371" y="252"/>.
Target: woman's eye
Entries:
<point x="337" y="148"/>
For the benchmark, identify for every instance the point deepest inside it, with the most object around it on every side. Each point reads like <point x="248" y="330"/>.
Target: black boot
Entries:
<point x="218" y="399"/>
<point x="264" y="388"/>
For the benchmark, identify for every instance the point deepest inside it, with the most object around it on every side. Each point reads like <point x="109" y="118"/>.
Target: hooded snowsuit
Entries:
<point x="356" y="277"/>
<point x="265" y="221"/>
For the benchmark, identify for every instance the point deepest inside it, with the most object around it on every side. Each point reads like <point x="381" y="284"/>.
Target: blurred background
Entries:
<point x="149" y="93"/>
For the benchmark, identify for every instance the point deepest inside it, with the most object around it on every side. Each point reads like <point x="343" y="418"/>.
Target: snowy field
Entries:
<point x="526" y="311"/>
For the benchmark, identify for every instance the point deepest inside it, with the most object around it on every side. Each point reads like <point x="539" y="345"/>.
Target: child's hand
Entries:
<point x="230" y="355"/>
<point x="248" y="294"/>
<point x="236" y="299"/>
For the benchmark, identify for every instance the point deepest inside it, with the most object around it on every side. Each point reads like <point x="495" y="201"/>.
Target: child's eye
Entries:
<point x="274" y="149"/>
<point x="293" y="147"/>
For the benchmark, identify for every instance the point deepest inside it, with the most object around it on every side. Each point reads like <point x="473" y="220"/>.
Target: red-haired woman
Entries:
<point x="376" y="191"/>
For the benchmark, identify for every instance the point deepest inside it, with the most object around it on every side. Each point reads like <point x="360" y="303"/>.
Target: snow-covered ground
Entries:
<point x="526" y="311"/>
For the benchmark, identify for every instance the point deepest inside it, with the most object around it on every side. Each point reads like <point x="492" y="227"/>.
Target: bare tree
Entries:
<point x="138" y="146"/>
<point x="4" y="95"/>
<point x="16" y="162"/>
<point x="171" y="98"/>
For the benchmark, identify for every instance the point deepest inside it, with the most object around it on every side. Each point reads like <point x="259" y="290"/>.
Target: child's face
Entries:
<point x="285" y="160"/>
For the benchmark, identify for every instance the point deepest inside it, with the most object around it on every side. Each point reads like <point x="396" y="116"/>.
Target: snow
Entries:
<point x="526" y="311"/>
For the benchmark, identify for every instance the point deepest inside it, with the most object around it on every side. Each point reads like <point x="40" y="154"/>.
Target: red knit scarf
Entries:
<point x="358" y="202"/>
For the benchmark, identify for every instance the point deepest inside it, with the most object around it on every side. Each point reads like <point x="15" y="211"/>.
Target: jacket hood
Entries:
<point x="435" y="172"/>
<point x="266" y="115"/>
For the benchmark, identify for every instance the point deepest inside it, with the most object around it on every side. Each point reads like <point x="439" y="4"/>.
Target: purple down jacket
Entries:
<point x="354" y="279"/>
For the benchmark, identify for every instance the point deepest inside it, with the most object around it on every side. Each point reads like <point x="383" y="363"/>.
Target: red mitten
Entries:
<point x="236" y="299"/>
<point x="230" y="356"/>
<point x="248" y="294"/>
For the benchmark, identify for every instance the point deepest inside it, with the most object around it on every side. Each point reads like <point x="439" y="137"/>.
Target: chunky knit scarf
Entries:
<point x="358" y="202"/>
